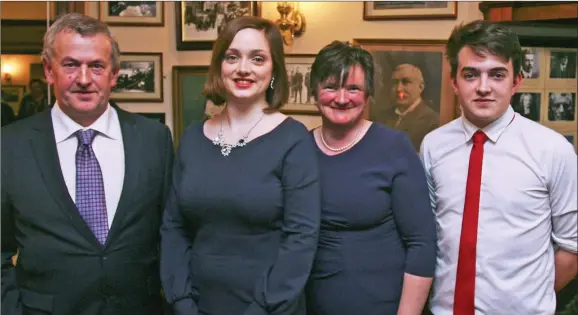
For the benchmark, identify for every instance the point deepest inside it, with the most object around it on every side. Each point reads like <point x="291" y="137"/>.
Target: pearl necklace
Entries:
<point x="343" y="148"/>
<point x="226" y="148"/>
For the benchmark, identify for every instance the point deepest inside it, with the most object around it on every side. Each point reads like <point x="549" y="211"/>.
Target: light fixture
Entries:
<point x="7" y="70"/>
<point x="291" y="23"/>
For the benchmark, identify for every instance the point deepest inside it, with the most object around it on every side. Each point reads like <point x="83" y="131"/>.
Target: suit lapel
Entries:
<point x="46" y="155"/>
<point x="132" y="143"/>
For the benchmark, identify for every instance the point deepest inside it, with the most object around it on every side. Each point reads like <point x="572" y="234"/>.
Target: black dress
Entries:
<point x="376" y="225"/>
<point x="240" y="232"/>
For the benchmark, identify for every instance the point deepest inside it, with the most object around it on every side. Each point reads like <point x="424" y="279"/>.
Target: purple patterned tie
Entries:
<point x="90" y="199"/>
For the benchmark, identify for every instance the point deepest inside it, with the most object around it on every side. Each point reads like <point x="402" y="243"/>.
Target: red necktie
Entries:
<point x="466" y="274"/>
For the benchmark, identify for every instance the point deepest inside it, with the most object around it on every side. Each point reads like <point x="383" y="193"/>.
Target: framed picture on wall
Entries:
<point x="199" y="23"/>
<point x="132" y="13"/>
<point x="300" y="95"/>
<point x="140" y="78"/>
<point x="409" y="10"/>
<point x="189" y="105"/>
<point x="13" y="94"/>
<point x="412" y="85"/>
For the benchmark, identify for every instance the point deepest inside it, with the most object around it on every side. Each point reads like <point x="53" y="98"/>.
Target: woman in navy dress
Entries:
<point x="240" y="229"/>
<point x="377" y="244"/>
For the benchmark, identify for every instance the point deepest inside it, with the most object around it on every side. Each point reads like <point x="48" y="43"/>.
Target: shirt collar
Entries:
<point x="493" y="130"/>
<point x="65" y="127"/>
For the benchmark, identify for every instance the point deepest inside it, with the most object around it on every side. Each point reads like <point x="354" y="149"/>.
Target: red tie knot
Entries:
<point x="480" y="137"/>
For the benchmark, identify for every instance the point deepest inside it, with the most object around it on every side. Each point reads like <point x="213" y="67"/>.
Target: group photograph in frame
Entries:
<point x="409" y="10"/>
<point x="412" y="86"/>
<point x="139" y="78"/>
<point x="301" y="99"/>
<point x="198" y="23"/>
<point x="132" y="13"/>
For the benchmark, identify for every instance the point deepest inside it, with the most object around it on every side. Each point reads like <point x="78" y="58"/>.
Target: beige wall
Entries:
<point x="326" y="21"/>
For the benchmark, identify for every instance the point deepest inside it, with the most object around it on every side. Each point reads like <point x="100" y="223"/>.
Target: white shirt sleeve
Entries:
<point x="426" y="161"/>
<point x="563" y="190"/>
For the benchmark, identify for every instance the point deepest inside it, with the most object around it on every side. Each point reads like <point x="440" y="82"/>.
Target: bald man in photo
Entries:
<point x="411" y="113"/>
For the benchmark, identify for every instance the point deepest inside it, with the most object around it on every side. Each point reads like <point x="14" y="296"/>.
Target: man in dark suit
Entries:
<point x="83" y="189"/>
<point x="563" y="65"/>
<point x="411" y="113"/>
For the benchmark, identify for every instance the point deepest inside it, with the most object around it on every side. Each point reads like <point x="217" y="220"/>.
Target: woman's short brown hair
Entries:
<point x="214" y="87"/>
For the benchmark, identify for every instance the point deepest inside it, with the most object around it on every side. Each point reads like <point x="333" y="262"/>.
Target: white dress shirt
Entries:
<point x="107" y="145"/>
<point x="527" y="203"/>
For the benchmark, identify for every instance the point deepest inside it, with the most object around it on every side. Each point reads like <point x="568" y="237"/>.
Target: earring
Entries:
<point x="272" y="80"/>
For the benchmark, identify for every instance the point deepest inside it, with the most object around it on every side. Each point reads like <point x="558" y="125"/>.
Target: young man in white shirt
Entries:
<point x="503" y="188"/>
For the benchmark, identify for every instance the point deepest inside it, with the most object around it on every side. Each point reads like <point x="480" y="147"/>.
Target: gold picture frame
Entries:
<point x="409" y="10"/>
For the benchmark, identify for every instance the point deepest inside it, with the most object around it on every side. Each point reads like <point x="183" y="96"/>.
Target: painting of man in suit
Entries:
<point x="408" y="92"/>
<point x="563" y="65"/>
<point x="83" y="188"/>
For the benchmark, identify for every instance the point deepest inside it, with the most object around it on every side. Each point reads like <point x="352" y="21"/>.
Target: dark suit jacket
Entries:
<point x="62" y="268"/>
<point x="417" y="123"/>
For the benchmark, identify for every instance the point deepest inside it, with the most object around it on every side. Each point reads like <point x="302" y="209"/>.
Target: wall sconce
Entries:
<point x="291" y="23"/>
<point x="7" y="77"/>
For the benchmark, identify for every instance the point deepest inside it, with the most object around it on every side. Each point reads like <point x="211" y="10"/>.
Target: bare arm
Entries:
<point x="566" y="266"/>
<point x="413" y="294"/>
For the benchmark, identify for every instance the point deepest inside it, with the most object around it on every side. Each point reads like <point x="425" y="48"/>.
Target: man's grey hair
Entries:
<point x="84" y="26"/>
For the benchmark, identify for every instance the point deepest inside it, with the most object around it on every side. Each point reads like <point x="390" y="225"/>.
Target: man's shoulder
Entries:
<point x="141" y="122"/>
<point x="550" y="140"/>
<point x="444" y="133"/>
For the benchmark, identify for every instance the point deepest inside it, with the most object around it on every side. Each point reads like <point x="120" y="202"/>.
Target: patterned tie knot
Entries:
<point x="480" y="137"/>
<point x="86" y="136"/>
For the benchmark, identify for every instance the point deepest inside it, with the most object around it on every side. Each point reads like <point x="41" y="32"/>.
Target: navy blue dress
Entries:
<point x="239" y="232"/>
<point x="376" y="225"/>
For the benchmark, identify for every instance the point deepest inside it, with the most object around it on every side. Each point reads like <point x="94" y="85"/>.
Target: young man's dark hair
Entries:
<point x="484" y="37"/>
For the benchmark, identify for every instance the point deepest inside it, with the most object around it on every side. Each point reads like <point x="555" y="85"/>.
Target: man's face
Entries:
<point x="484" y="86"/>
<point x="564" y="61"/>
<point x="82" y="73"/>
<point x="528" y="62"/>
<point x="407" y="85"/>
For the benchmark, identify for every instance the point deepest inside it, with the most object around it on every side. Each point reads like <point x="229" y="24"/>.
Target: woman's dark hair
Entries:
<point x="214" y="87"/>
<point x="483" y="38"/>
<point x="337" y="58"/>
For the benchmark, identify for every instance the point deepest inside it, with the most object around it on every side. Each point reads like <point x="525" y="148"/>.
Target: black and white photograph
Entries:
<point x="132" y="13"/>
<point x="563" y="65"/>
<point x="132" y="8"/>
<point x="139" y="78"/>
<point x="570" y="139"/>
<point x="527" y="104"/>
<point x="203" y="21"/>
<point x="561" y="106"/>
<point x="530" y="63"/>
<point x="301" y="99"/>
<point x="136" y="77"/>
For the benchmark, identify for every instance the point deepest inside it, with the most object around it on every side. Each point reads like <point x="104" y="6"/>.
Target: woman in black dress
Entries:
<point x="377" y="244"/>
<point x="241" y="225"/>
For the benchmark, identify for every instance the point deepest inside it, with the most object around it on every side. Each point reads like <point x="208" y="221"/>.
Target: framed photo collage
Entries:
<point x="548" y="91"/>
